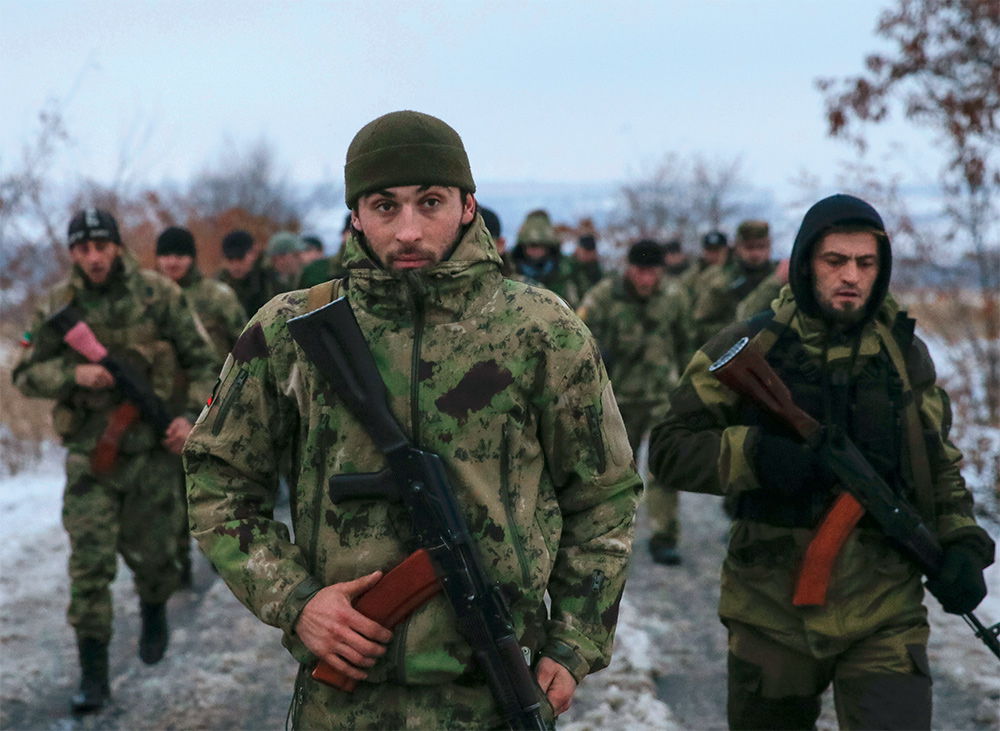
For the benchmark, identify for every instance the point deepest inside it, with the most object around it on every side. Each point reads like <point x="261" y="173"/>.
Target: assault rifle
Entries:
<point x="445" y="555"/>
<point x="744" y="370"/>
<point x="140" y="399"/>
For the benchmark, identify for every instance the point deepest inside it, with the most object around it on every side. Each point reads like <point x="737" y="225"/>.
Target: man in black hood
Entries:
<point x="850" y="358"/>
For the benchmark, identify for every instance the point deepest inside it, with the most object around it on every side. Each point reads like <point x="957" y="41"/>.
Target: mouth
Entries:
<point x="847" y="296"/>
<point x="411" y="261"/>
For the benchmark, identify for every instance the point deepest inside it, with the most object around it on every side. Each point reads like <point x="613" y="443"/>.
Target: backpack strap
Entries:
<point x="322" y="294"/>
<point x="919" y="462"/>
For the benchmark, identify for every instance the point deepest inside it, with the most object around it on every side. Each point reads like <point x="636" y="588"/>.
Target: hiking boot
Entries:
<point x="94" y="689"/>
<point x="155" y="635"/>
<point x="663" y="551"/>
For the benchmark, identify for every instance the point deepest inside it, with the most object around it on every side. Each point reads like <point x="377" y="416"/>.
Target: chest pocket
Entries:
<point x="876" y="416"/>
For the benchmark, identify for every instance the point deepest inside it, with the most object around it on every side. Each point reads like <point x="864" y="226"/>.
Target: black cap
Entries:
<point x="714" y="240"/>
<point x="672" y="247"/>
<point x="312" y="242"/>
<point x="236" y="244"/>
<point x="492" y="221"/>
<point x="645" y="253"/>
<point x="588" y="242"/>
<point x="92" y="224"/>
<point x="175" y="240"/>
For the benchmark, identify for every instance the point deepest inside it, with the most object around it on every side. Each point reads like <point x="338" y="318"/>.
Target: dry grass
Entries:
<point x="25" y="424"/>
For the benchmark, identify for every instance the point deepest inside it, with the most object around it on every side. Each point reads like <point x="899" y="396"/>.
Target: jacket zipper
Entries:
<point x="596" y="584"/>
<point x="399" y="659"/>
<point x="220" y="418"/>
<point x="509" y="507"/>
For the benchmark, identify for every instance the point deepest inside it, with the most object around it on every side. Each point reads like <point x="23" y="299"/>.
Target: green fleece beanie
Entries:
<point x="405" y="148"/>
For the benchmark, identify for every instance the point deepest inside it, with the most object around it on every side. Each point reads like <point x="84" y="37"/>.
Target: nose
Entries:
<point x="408" y="230"/>
<point x="851" y="272"/>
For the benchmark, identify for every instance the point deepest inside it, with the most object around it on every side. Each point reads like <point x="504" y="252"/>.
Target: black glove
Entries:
<point x="959" y="585"/>
<point x="786" y="467"/>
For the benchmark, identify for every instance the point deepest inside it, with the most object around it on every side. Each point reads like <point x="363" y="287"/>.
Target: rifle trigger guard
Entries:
<point x="362" y="486"/>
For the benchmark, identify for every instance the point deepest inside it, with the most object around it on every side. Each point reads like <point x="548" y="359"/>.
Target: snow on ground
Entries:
<point x="31" y="502"/>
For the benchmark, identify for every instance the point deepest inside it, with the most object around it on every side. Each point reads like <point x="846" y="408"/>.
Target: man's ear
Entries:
<point x="355" y="221"/>
<point x="468" y="209"/>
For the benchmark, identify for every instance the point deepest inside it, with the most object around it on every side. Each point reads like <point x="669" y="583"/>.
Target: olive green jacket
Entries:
<point x="705" y="445"/>
<point x="502" y="381"/>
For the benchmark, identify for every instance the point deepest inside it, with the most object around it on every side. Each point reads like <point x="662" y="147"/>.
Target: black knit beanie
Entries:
<point x="175" y="240"/>
<point x="236" y="244"/>
<point x="405" y="148"/>
<point x="92" y="224"/>
<point x="646" y="253"/>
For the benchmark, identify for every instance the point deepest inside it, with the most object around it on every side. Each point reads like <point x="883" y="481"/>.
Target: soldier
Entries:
<point x="849" y="356"/>
<point x="538" y="258"/>
<point x="284" y="255"/>
<point x="242" y="270"/>
<point x="331" y="267"/>
<point x="586" y="262"/>
<point x="312" y="250"/>
<point x="216" y="304"/>
<point x="721" y="288"/>
<point x="676" y="264"/>
<point x="220" y="312"/>
<point x="130" y="506"/>
<point x="641" y="323"/>
<point x="501" y="380"/>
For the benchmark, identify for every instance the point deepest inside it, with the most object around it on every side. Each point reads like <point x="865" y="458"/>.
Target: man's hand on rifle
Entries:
<point x="93" y="376"/>
<point x="337" y="633"/>
<point x="785" y="466"/>
<point x="557" y="683"/>
<point x="960" y="585"/>
<point x="177" y="434"/>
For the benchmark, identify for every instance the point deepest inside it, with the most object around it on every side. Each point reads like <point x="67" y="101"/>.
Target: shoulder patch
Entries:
<point x="252" y="344"/>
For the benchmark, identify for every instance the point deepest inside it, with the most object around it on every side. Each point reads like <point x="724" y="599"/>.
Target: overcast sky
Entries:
<point x="540" y="91"/>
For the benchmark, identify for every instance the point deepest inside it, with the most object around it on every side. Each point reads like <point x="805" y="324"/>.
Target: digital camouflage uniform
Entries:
<point x="720" y="290"/>
<point x="869" y="638"/>
<point x="255" y="289"/>
<point x="645" y="346"/>
<point x="506" y="385"/>
<point x="144" y="318"/>
<point x="223" y="318"/>
<point x="760" y="299"/>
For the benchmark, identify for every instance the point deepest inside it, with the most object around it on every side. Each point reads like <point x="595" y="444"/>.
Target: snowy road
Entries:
<point x="225" y="670"/>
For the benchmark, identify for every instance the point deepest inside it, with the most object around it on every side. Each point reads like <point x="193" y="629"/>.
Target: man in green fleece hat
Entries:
<point x="537" y="257"/>
<point x="499" y="379"/>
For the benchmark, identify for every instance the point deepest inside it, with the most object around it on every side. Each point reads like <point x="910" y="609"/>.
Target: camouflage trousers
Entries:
<point x="662" y="502"/>
<point x="391" y="706"/>
<point x="880" y="681"/>
<point x="134" y="511"/>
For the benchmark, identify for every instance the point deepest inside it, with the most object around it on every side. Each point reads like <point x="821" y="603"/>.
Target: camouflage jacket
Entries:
<point x="139" y="316"/>
<point x="218" y="308"/>
<point x="720" y="290"/>
<point x="256" y="288"/>
<point x="502" y="381"/>
<point x="644" y="343"/>
<point x="557" y="275"/>
<point x="706" y="444"/>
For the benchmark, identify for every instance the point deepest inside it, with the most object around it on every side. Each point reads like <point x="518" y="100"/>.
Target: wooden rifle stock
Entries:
<point x="391" y="600"/>
<point x="744" y="370"/>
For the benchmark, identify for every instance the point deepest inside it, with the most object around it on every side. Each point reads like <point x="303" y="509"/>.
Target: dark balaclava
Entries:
<point x="834" y="211"/>
<point x="175" y="240"/>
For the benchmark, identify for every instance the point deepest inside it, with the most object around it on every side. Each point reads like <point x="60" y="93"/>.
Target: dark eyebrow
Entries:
<point x="383" y="193"/>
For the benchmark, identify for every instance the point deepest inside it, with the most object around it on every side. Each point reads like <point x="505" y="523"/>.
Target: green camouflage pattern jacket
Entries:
<point x="218" y="308"/>
<point x="502" y="381"/>
<point x="706" y="445"/>
<point x="645" y="343"/>
<point x="140" y="316"/>
<point x="720" y="289"/>
<point x="323" y="270"/>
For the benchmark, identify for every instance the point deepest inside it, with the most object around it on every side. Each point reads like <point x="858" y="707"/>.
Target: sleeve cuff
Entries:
<point x="568" y="657"/>
<point x="296" y="602"/>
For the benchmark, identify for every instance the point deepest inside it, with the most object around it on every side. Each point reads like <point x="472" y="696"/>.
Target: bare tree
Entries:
<point x="247" y="180"/>
<point x="944" y="72"/>
<point x="679" y="197"/>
